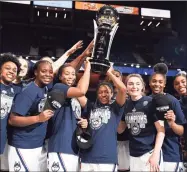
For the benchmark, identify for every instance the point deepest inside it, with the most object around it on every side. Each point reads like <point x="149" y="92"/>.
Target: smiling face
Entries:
<point x="135" y="86"/>
<point x="44" y="74"/>
<point x="8" y="72"/>
<point x="104" y="94"/>
<point x="68" y="76"/>
<point x="24" y="68"/>
<point x="180" y="85"/>
<point x="157" y="83"/>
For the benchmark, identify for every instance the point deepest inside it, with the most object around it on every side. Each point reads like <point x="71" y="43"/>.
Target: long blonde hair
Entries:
<point x="137" y="76"/>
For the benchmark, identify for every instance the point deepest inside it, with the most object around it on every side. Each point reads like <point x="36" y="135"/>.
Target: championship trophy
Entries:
<point x="105" y="28"/>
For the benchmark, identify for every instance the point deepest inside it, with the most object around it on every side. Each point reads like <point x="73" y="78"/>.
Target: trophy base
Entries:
<point x="100" y="66"/>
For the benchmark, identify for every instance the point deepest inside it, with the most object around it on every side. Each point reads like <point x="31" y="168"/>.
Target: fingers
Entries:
<point x="48" y="111"/>
<point x="88" y="59"/>
<point x="169" y="116"/>
<point x="83" y="123"/>
<point x="170" y="111"/>
<point x="81" y="120"/>
<point x="153" y="167"/>
<point x="79" y="44"/>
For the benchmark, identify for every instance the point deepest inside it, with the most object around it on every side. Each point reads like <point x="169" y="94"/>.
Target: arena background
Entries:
<point x="149" y="32"/>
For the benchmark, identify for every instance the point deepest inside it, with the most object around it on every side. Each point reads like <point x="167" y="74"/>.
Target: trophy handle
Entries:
<point x="112" y="34"/>
<point x="95" y="35"/>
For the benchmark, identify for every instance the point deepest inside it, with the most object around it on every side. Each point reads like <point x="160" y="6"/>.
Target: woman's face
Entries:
<point x="117" y="74"/>
<point x="157" y="83"/>
<point x="134" y="86"/>
<point x="44" y="73"/>
<point x="180" y="85"/>
<point x="8" y="72"/>
<point x="104" y="94"/>
<point x="68" y="76"/>
<point x="24" y="68"/>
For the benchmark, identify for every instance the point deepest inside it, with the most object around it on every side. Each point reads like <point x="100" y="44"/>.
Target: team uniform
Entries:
<point x="183" y="103"/>
<point x="8" y="92"/>
<point x="26" y="151"/>
<point x="142" y="132"/>
<point x="172" y="152"/>
<point x="103" y="121"/>
<point x="63" y="152"/>
<point x="123" y="150"/>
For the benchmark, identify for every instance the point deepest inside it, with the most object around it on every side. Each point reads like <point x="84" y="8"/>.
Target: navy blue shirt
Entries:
<point x="63" y="125"/>
<point x="183" y="103"/>
<point x="140" y="122"/>
<point x="171" y="147"/>
<point x="29" y="102"/>
<point x="103" y="122"/>
<point x="8" y="92"/>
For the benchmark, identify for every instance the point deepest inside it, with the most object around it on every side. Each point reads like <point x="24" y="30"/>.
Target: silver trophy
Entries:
<point x="105" y="28"/>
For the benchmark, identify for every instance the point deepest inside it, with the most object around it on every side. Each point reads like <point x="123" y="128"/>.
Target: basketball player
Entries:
<point x="9" y="69"/>
<point x="180" y="85"/>
<point x="63" y="153"/>
<point x="104" y="117"/>
<point x="123" y="138"/>
<point x="172" y="154"/>
<point x="145" y="141"/>
<point x="29" y="123"/>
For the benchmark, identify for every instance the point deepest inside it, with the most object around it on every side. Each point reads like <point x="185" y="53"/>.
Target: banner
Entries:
<point x="55" y="4"/>
<point x="18" y="2"/>
<point x="155" y="13"/>
<point x="96" y="6"/>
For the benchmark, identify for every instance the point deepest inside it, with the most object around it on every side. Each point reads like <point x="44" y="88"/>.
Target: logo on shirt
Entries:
<point x="135" y="121"/>
<point x="99" y="117"/>
<point x="6" y="103"/>
<point x="145" y="103"/>
<point x="55" y="167"/>
<point x="76" y="107"/>
<point x="17" y="166"/>
<point x="41" y="104"/>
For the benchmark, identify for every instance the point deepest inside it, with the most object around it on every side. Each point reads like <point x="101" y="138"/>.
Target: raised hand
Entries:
<point x="75" y="47"/>
<point x="87" y="52"/>
<point x="87" y="64"/>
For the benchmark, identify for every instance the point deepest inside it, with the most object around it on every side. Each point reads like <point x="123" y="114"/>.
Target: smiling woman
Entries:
<point x="175" y="120"/>
<point x="9" y="68"/>
<point x="29" y="122"/>
<point x="157" y="81"/>
<point x="180" y="85"/>
<point x="144" y="142"/>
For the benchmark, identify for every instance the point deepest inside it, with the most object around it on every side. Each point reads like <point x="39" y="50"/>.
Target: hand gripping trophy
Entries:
<point x="105" y="28"/>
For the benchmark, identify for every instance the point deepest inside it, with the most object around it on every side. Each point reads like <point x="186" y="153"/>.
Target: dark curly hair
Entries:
<point x="160" y="68"/>
<point x="9" y="57"/>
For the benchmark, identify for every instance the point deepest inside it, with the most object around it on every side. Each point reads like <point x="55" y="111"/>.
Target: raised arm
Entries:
<point x="121" y="94"/>
<point x="64" y="57"/>
<point x="77" y="63"/>
<point x="83" y="84"/>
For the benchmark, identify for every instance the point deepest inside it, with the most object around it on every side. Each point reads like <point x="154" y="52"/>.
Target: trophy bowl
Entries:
<point x="105" y="27"/>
